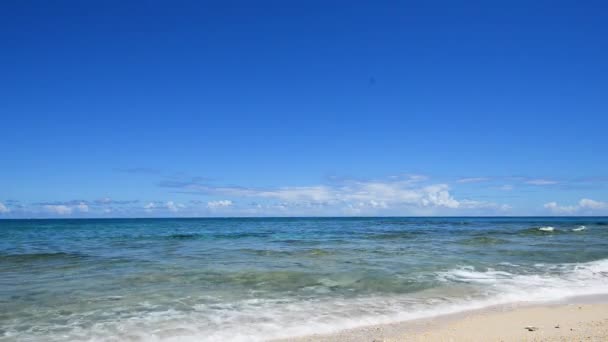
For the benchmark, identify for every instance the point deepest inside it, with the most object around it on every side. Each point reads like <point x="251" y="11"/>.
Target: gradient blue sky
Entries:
<point x="224" y="108"/>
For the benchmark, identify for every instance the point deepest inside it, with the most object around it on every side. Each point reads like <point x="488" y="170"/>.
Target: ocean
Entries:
<point x="249" y="279"/>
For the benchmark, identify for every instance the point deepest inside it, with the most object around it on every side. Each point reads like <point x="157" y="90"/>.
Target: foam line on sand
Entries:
<point x="578" y="319"/>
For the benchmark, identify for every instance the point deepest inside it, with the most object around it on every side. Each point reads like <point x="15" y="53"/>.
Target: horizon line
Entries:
<point x="290" y="217"/>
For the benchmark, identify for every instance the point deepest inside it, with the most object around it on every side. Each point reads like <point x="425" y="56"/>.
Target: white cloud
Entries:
<point x="438" y="195"/>
<point x="219" y="204"/>
<point x="58" y="209"/>
<point x="376" y="193"/>
<point x="469" y="204"/>
<point x="109" y="201"/>
<point x="591" y="204"/>
<point x="173" y="207"/>
<point x="4" y="209"/>
<point x="169" y="205"/>
<point x="472" y="180"/>
<point x="506" y="187"/>
<point x="376" y="204"/>
<point x="541" y="182"/>
<point x="400" y="195"/>
<point x="557" y="209"/>
<point x="585" y="205"/>
<point x="397" y="194"/>
<point x="312" y="193"/>
<point x="82" y="207"/>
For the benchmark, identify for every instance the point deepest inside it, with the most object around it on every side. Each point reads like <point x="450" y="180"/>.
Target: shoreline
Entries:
<point x="572" y="318"/>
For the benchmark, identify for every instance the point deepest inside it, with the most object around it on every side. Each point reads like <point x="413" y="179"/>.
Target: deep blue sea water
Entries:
<point x="259" y="278"/>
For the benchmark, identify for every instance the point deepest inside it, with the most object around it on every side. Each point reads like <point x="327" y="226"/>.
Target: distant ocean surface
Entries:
<point x="253" y="279"/>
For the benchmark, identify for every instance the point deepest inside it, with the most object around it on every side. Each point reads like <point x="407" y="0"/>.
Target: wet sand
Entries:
<point x="579" y="319"/>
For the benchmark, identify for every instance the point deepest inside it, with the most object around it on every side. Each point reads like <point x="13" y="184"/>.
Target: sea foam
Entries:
<point x="462" y="288"/>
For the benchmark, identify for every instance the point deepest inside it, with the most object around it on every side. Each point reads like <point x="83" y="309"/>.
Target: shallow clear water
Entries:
<point x="253" y="279"/>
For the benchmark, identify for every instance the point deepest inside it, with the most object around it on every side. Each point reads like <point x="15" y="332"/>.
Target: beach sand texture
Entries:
<point x="560" y="322"/>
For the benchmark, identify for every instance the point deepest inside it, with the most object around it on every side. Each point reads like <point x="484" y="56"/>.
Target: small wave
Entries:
<point x="270" y="280"/>
<point x="33" y="257"/>
<point x="312" y="252"/>
<point x="236" y="235"/>
<point x="301" y="242"/>
<point x="317" y="252"/>
<point x="265" y="252"/>
<point x="393" y="235"/>
<point x="184" y="236"/>
<point x="544" y="230"/>
<point x="579" y="229"/>
<point x="482" y="240"/>
<point x="240" y="235"/>
<point x="544" y="282"/>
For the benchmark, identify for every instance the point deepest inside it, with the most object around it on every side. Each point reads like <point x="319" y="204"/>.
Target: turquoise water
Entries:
<point x="254" y="279"/>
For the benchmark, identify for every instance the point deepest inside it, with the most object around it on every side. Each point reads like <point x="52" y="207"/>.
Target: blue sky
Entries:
<point x="150" y="108"/>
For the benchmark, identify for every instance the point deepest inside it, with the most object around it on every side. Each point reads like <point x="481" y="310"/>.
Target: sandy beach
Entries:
<point x="582" y="319"/>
